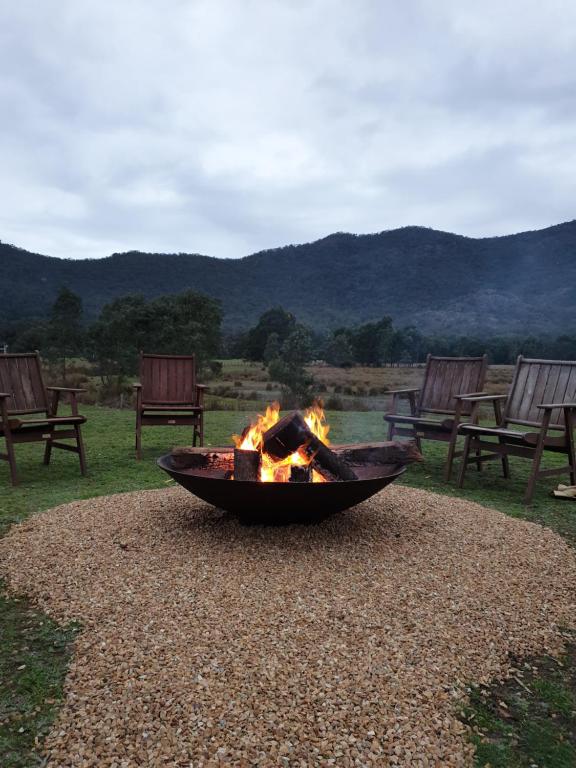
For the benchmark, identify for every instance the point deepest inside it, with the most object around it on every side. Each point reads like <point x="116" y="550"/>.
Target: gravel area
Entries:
<point x="345" y="643"/>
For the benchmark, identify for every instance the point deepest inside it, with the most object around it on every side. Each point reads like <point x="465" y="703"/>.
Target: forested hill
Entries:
<point x="438" y="281"/>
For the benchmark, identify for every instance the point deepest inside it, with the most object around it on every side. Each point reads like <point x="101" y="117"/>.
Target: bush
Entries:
<point x="215" y="367"/>
<point x="334" y="404"/>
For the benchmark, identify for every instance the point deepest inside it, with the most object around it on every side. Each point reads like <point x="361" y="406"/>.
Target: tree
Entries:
<point x="65" y="331"/>
<point x="371" y="342"/>
<point x="275" y="320"/>
<point x="339" y="351"/>
<point x="288" y="368"/>
<point x="182" y="324"/>
<point x="272" y="349"/>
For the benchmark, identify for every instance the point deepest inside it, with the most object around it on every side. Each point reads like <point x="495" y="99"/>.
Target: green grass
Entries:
<point x="530" y="720"/>
<point x="34" y="653"/>
<point x="28" y="696"/>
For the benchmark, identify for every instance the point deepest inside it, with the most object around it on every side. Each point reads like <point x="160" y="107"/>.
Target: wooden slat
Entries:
<point x="168" y="379"/>
<point x="541" y="380"/>
<point x="560" y="392"/>
<point x="533" y="371"/>
<point x="516" y="397"/>
<point x="446" y="378"/>
<point x="21" y="376"/>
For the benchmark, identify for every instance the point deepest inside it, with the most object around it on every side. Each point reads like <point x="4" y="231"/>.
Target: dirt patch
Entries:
<point x="351" y="642"/>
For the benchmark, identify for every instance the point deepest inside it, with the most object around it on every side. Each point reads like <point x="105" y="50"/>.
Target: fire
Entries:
<point x="278" y="470"/>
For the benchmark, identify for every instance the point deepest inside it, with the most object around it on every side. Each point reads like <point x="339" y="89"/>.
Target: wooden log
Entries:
<point x="189" y="457"/>
<point x="299" y="474"/>
<point x="389" y="452"/>
<point x="246" y="465"/>
<point x="291" y="433"/>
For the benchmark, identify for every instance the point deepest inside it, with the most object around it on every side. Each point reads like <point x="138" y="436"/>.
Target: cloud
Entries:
<point x="228" y="126"/>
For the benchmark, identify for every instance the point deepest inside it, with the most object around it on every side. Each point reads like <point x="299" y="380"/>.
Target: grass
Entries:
<point x="530" y="720"/>
<point x="34" y="651"/>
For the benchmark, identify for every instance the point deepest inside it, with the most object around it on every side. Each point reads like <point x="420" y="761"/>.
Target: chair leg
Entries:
<point x="201" y="430"/>
<point x="478" y="461"/>
<point x="450" y="456"/>
<point x="505" y="461"/>
<point x="570" y="446"/>
<point x="11" y="458"/>
<point x="194" y="434"/>
<point x="464" y="460"/>
<point x="81" y="451"/>
<point x="537" y="458"/>
<point x="48" y="451"/>
<point x="138" y="435"/>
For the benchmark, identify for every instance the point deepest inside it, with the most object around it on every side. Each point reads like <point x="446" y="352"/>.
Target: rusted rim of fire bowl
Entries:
<point x="281" y="503"/>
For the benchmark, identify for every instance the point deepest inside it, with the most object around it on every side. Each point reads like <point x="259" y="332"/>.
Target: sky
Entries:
<point x="225" y="127"/>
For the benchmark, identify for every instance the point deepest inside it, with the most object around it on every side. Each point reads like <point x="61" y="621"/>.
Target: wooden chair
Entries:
<point x="168" y="394"/>
<point x="27" y="415"/>
<point x="444" y="379"/>
<point x="542" y="396"/>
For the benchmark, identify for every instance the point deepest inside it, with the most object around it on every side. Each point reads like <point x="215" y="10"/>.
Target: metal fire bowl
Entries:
<point x="275" y="503"/>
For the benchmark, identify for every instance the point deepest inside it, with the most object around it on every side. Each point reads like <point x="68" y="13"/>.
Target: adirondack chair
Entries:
<point x="167" y="393"/>
<point x="542" y="396"/>
<point x="27" y="415"/>
<point x="444" y="379"/>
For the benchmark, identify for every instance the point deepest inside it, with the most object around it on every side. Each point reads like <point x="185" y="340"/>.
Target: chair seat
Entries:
<point x="478" y="429"/>
<point x="445" y="425"/>
<point x="43" y="423"/>
<point x="512" y="436"/>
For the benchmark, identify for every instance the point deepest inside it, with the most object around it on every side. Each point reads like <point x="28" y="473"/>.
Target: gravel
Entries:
<point x="348" y="643"/>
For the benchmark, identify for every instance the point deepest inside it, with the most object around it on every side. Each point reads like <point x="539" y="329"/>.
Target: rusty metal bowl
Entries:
<point x="274" y="503"/>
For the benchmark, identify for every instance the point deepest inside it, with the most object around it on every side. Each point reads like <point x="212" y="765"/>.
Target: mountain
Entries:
<point x="440" y="282"/>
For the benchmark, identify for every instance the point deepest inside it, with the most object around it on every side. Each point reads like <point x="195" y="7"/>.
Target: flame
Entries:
<point x="278" y="470"/>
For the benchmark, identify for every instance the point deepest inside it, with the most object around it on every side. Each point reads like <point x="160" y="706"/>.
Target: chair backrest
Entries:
<point x="21" y="377"/>
<point x="446" y="377"/>
<point x="536" y="382"/>
<point x="168" y="379"/>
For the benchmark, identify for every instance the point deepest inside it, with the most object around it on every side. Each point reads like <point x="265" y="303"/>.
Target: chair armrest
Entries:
<point x="464" y="395"/>
<point x="551" y="406"/>
<point x="480" y="398"/>
<point x="4" y="394"/>
<point x="402" y="391"/>
<point x="56" y="392"/>
<point x="137" y="385"/>
<point x="200" y="389"/>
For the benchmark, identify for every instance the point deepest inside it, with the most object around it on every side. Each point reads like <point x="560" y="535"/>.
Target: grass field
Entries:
<point x="538" y="727"/>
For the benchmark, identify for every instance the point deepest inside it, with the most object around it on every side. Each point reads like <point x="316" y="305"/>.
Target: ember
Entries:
<point x="278" y="470"/>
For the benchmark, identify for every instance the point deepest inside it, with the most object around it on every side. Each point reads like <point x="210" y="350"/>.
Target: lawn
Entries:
<point x="34" y="651"/>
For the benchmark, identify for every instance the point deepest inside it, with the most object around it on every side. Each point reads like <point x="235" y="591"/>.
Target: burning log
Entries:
<point x="246" y="464"/>
<point x="292" y="433"/>
<point x="300" y="474"/>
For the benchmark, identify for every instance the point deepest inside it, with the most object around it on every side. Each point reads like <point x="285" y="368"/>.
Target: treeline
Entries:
<point x="191" y="322"/>
<point x="177" y="324"/>
<point x="379" y="344"/>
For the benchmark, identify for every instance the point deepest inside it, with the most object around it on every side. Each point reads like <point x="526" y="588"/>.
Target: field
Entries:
<point x="530" y="722"/>
<point x="242" y="384"/>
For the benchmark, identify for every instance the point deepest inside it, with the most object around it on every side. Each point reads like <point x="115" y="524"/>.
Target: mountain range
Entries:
<point x="440" y="282"/>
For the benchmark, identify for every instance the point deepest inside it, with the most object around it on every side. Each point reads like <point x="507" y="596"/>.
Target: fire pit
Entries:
<point x="283" y="470"/>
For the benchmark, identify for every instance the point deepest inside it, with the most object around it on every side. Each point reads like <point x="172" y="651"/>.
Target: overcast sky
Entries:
<point x="227" y="126"/>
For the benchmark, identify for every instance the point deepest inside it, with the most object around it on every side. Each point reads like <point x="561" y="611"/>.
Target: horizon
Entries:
<point x="226" y="129"/>
<point x="285" y="245"/>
